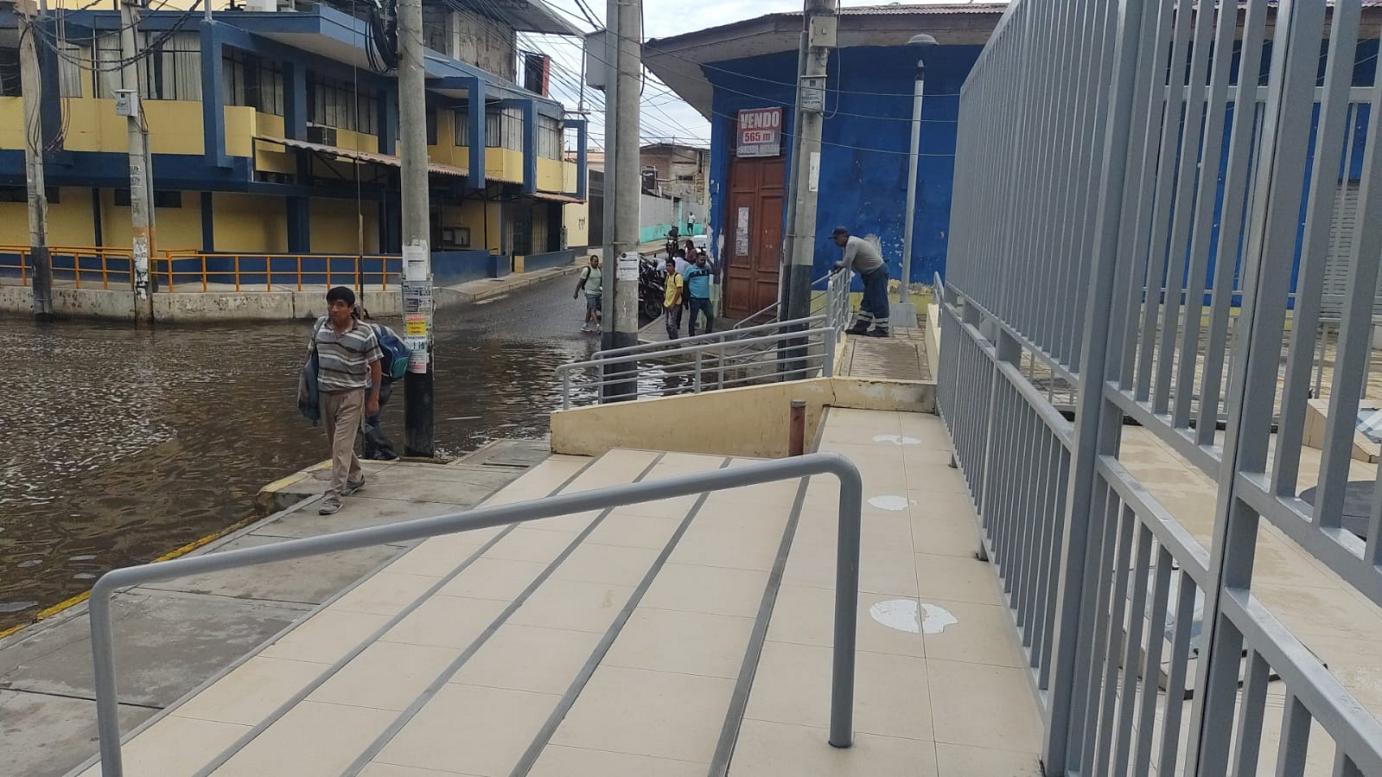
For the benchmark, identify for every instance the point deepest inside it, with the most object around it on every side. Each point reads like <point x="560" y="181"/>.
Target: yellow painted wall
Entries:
<point x="576" y="218"/>
<point x="268" y="156"/>
<point x="11" y="122"/>
<point x="549" y="175"/>
<point x="250" y="222"/>
<point x="175" y="229"/>
<point x="335" y="226"/>
<point x="175" y="126"/>
<point x="69" y="220"/>
<point x="471" y="214"/>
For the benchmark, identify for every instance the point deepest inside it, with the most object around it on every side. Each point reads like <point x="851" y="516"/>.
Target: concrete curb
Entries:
<point x="471" y="292"/>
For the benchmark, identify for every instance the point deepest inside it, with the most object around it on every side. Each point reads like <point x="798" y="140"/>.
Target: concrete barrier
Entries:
<point x="747" y="421"/>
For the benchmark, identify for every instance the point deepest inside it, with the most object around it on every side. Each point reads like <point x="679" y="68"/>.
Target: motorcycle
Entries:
<point x="652" y="287"/>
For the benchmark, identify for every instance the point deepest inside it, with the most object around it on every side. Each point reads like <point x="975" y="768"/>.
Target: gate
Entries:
<point x="1139" y="258"/>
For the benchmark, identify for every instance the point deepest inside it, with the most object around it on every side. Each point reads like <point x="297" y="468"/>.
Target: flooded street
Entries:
<point x="118" y="445"/>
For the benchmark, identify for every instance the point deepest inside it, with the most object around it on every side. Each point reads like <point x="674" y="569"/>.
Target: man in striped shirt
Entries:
<point x="348" y="377"/>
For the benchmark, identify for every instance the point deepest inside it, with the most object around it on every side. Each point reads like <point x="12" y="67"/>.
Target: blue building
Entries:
<point x="744" y="73"/>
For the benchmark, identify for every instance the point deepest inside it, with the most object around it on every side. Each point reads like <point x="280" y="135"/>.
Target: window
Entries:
<point x="252" y="81"/>
<point x="549" y="131"/>
<point x="339" y="104"/>
<point x="21" y="194"/>
<point x="172" y="72"/>
<point x="9" y="72"/>
<point x="431" y="126"/>
<point x="455" y="237"/>
<point x="462" y="120"/>
<point x="504" y="128"/>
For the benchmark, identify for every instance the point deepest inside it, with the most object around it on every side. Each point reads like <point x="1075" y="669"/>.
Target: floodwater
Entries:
<point x="119" y="444"/>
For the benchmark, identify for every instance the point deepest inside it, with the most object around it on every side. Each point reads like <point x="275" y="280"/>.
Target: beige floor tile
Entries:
<point x="981" y="704"/>
<point x="886" y="528"/>
<point x="859" y="426"/>
<point x="529" y="658"/>
<point x="927" y="428"/>
<point x="766" y="748"/>
<point x="494" y="578"/>
<point x="792" y="685"/>
<point x="982" y="634"/>
<point x="719" y="544"/>
<point x="326" y="636"/>
<point x="880" y="572"/>
<point x="386" y="676"/>
<point x="806" y="615"/>
<point x="778" y="493"/>
<point x="174" y="746"/>
<point x="664" y="508"/>
<point x="312" y="740"/>
<point x="562" y="761"/>
<point x="251" y="691"/>
<point x="625" y="528"/>
<point x="688" y="642"/>
<point x="1321" y="611"/>
<point x="438" y="556"/>
<point x="568" y="604"/>
<point x="563" y="524"/>
<point x="957" y="578"/>
<point x="938" y="479"/>
<point x="471" y="730"/>
<point x="523" y="544"/>
<point x="446" y="621"/>
<point x="945" y="535"/>
<point x="880" y="466"/>
<point x="961" y="761"/>
<point x="386" y="593"/>
<point x="741" y="521"/>
<point x="390" y="770"/>
<point x="942" y="505"/>
<point x="918" y="458"/>
<point x="713" y="590"/>
<point x="607" y="564"/>
<point x="660" y="714"/>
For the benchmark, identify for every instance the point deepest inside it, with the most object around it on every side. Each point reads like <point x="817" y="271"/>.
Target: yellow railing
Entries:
<point x="101" y="267"/>
<point x="85" y="266"/>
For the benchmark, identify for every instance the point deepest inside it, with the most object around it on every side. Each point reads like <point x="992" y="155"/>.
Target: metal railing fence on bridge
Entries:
<point x="782" y="350"/>
<point x="1107" y="148"/>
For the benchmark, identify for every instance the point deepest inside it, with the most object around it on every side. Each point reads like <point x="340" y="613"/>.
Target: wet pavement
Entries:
<point x="119" y="444"/>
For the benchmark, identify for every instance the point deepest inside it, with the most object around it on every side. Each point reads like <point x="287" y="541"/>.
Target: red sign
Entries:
<point x="760" y="132"/>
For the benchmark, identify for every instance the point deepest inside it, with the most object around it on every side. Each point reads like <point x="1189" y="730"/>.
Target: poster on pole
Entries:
<point x="627" y="268"/>
<point x="760" y="133"/>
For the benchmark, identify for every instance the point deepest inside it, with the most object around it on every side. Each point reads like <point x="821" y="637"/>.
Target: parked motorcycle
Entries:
<point x="652" y="287"/>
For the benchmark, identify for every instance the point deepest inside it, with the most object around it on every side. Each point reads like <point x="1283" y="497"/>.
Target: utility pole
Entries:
<point x="31" y="84"/>
<point x="820" y="24"/>
<point x="624" y="46"/>
<point x="127" y="104"/>
<point x="417" y="257"/>
<point x="904" y="313"/>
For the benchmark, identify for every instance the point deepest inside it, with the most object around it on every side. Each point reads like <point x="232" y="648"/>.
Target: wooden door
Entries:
<point x="753" y="236"/>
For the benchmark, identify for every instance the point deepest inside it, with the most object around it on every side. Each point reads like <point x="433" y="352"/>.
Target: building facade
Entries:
<point x="275" y="132"/>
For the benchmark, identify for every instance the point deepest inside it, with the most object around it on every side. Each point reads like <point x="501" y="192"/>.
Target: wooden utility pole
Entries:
<point x="417" y="257"/>
<point x="31" y="85"/>
<point x="128" y="104"/>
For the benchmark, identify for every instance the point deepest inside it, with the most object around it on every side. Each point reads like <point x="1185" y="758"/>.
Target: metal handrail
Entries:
<point x="707" y="337"/>
<point x="827" y="333"/>
<point x="774" y="305"/>
<point x="846" y="567"/>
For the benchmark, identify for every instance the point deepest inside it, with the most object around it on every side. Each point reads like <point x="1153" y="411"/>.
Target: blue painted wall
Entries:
<point x="863" y="181"/>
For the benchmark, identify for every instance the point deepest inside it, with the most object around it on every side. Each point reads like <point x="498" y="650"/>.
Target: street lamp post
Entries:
<point x="904" y="313"/>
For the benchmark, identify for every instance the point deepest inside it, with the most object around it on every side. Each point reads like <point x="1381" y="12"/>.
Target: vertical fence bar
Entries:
<point x="203" y="256"/>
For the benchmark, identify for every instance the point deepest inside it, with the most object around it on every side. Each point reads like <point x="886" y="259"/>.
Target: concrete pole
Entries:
<point x="31" y="84"/>
<point x="417" y="257"/>
<point x="790" y="221"/>
<point x="820" y="21"/>
<point x="904" y="313"/>
<point x="624" y="18"/>
<point x="141" y="195"/>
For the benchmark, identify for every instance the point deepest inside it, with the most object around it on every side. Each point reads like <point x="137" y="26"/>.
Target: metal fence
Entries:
<point x="1147" y="199"/>
<point x="782" y="350"/>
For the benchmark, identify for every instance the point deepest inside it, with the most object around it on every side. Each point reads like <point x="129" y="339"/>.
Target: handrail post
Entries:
<point x="103" y="679"/>
<point x="698" y="371"/>
<point x="846" y="607"/>
<point x="77" y="268"/>
<point x="236" y="260"/>
<point x="565" y="389"/>
<point x="105" y="273"/>
<point x="828" y="366"/>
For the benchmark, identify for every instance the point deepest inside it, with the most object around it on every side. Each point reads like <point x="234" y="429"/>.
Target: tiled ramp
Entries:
<point x="681" y="637"/>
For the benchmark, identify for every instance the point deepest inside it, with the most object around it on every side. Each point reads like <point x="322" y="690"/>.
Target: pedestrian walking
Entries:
<point x="592" y="282"/>
<point x="698" y="278"/>
<point x="861" y="256"/>
<point x="348" y="381"/>
<point x="672" y="299"/>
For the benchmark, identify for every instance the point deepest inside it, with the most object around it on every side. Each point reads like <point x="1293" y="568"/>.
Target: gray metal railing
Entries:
<point x="819" y="301"/>
<point x="846" y="567"/>
<point x="782" y="350"/>
<point x="1104" y="151"/>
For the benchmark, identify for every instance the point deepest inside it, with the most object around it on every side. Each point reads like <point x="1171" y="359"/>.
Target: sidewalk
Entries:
<point x="172" y="637"/>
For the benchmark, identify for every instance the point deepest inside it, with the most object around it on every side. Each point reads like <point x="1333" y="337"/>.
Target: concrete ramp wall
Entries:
<point x="747" y="421"/>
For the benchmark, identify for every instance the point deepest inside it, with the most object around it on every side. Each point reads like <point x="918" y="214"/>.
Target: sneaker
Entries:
<point x="878" y="333"/>
<point x="352" y="487"/>
<point x="857" y="329"/>
<point x="329" y="506"/>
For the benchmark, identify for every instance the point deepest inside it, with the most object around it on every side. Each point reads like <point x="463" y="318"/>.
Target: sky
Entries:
<point x="663" y="116"/>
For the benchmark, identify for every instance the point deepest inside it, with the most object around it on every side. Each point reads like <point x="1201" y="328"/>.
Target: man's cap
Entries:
<point x="839" y="231"/>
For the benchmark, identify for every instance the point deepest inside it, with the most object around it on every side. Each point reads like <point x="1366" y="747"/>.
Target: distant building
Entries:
<point x="275" y="131"/>
<point x="677" y="170"/>
<point x="748" y="69"/>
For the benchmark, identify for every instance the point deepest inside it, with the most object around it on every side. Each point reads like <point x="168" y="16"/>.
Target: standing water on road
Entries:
<point x="118" y="444"/>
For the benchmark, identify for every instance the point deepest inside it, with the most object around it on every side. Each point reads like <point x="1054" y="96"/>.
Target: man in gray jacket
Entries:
<point x="861" y="256"/>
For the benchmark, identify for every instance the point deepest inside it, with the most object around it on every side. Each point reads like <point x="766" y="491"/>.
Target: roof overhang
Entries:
<point x="677" y="60"/>
<point x="522" y="15"/>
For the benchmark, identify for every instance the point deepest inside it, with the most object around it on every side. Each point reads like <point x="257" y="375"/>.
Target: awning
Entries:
<point x="557" y="197"/>
<point x="360" y="156"/>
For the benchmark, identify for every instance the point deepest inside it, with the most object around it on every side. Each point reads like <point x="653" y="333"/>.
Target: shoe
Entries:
<point x="878" y="333"/>
<point x="857" y="329"/>
<point x="352" y="487"/>
<point x="329" y="506"/>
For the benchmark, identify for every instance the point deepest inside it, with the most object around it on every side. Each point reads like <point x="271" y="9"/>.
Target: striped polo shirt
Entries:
<point x="343" y="360"/>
